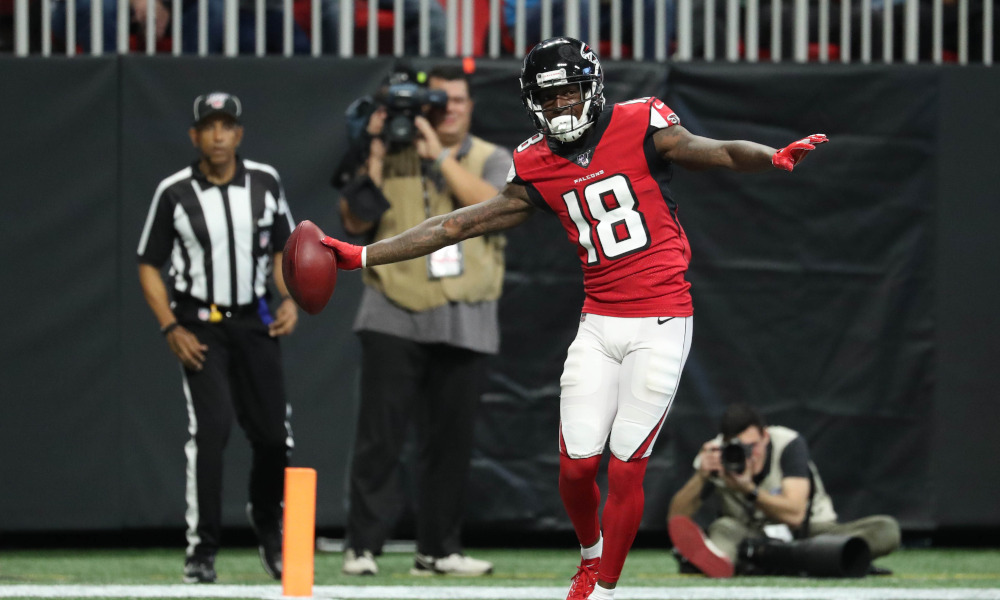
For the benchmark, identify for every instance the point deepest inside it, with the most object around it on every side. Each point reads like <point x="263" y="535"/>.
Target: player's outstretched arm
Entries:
<point x="505" y="210"/>
<point x="695" y="152"/>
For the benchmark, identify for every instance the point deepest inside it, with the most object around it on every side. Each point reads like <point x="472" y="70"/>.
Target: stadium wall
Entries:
<point x="853" y="300"/>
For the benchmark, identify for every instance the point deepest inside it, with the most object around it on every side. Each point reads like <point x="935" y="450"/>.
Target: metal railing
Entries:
<point x="729" y="30"/>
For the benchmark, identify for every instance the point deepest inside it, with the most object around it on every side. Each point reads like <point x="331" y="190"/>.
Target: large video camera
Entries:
<point x="734" y="456"/>
<point x="404" y="101"/>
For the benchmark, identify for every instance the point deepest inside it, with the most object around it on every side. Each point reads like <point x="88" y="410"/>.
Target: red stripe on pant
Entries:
<point x="649" y="439"/>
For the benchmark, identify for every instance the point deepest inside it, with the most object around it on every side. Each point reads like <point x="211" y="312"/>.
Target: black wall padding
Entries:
<point x="853" y="299"/>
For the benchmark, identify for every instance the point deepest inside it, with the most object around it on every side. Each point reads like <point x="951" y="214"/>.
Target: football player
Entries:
<point x="603" y="172"/>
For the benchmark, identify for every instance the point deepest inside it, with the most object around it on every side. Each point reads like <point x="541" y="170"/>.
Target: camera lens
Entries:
<point x="734" y="457"/>
<point x="400" y="130"/>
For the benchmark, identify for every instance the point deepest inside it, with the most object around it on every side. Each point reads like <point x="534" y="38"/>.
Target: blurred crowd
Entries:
<point x="437" y="23"/>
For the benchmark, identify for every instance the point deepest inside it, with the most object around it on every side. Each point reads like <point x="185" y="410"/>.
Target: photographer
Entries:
<point x="427" y="325"/>
<point x="776" y="515"/>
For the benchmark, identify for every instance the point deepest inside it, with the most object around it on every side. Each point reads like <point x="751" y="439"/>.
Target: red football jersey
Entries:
<point x="612" y="198"/>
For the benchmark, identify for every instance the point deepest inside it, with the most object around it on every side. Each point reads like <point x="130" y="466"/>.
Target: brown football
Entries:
<point x="309" y="268"/>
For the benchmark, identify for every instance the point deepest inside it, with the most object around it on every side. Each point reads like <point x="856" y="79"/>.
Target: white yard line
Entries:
<point x="337" y="592"/>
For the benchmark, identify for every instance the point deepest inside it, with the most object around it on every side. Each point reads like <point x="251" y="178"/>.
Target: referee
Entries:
<point x="221" y="224"/>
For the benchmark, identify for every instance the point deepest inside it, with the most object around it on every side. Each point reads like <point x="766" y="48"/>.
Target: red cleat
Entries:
<point x="585" y="579"/>
<point x="694" y="546"/>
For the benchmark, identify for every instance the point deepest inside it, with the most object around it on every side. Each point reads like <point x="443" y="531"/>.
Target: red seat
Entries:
<point x="383" y="16"/>
<point x="833" y="52"/>
<point x="301" y="10"/>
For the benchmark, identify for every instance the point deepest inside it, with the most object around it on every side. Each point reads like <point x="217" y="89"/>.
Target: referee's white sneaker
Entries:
<point x="363" y="564"/>
<point x="455" y="564"/>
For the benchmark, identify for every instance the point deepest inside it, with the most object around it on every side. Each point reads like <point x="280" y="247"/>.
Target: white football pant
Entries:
<point x="619" y="379"/>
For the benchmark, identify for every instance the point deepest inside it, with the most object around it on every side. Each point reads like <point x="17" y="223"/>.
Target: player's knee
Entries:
<point x="886" y="534"/>
<point x="626" y="474"/>
<point x="572" y="470"/>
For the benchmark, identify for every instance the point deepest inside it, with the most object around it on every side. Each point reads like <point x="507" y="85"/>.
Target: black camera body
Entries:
<point x="734" y="457"/>
<point x="403" y="102"/>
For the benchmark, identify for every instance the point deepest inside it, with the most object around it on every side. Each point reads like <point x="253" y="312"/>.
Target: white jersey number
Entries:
<point x="617" y="223"/>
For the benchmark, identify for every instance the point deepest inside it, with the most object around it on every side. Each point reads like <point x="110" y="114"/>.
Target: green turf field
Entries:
<point x="532" y="573"/>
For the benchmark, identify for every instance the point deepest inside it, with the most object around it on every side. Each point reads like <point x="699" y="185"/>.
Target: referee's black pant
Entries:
<point x="438" y="387"/>
<point x="242" y="377"/>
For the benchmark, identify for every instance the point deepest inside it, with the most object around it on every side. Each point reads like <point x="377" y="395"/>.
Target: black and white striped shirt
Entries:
<point x="219" y="239"/>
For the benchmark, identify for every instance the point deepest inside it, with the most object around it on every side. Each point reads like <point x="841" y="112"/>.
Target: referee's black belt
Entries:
<point x="236" y="311"/>
<point x="192" y="306"/>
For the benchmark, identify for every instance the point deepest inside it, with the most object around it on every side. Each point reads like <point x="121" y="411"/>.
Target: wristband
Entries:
<point x="440" y="159"/>
<point x="167" y="329"/>
<point x="753" y="495"/>
<point x="364" y="257"/>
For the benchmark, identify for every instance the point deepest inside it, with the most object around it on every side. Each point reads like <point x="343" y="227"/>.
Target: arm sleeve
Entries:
<point x="157" y="238"/>
<point x="795" y="459"/>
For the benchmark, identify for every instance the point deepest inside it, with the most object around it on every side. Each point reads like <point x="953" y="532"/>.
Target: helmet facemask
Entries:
<point x="566" y="126"/>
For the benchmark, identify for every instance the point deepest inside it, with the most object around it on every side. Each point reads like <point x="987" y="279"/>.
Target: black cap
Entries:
<point x="207" y="105"/>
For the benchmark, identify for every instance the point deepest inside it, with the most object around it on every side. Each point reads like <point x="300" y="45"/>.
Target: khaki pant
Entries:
<point x="881" y="532"/>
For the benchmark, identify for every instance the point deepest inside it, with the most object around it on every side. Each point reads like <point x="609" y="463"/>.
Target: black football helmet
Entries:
<point x="556" y="62"/>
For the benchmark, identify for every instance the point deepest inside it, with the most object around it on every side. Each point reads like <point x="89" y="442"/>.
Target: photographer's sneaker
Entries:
<point x="359" y="564"/>
<point x="694" y="546"/>
<point x="455" y="564"/>
<point x="199" y="569"/>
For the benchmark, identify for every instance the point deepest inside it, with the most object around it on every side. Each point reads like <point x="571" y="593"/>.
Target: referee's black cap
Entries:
<point x="214" y="103"/>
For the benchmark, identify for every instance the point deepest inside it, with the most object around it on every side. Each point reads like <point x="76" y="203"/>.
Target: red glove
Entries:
<point x="790" y="155"/>
<point x="348" y="255"/>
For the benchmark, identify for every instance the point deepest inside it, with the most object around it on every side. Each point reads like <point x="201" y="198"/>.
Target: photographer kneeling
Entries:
<point x="777" y="517"/>
<point x="426" y="325"/>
